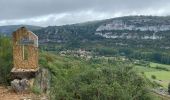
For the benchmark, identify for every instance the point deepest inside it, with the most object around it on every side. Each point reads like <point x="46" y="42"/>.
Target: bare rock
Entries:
<point x="20" y="85"/>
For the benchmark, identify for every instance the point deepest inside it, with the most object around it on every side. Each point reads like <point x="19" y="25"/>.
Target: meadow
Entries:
<point x="160" y="73"/>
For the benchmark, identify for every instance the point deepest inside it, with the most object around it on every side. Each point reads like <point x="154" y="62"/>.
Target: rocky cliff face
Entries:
<point x="135" y="25"/>
<point x="130" y="27"/>
<point x="134" y="28"/>
<point x="130" y="35"/>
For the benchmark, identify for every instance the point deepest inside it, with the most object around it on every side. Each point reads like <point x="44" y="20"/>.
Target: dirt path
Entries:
<point x="8" y="94"/>
<point x="163" y="97"/>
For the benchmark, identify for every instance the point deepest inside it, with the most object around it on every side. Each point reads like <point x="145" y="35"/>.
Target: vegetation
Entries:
<point x="82" y="35"/>
<point x="169" y="88"/>
<point x="153" y="76"/>
<point x="157" y="75"/>
<point x="93" y="79"/>
<point x="89" y="79"/>
<point x="5" y="59"/>
<point x="36" y="90"/>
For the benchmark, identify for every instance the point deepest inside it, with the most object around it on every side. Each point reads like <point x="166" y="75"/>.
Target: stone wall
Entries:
<point x="19" y="61"/>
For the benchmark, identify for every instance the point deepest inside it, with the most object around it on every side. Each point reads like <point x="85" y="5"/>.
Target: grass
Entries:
<point x="36" y="90"/>
<point x="162" y="76"/>
<point x="144" y="69"/>
<point x="154" y="65"/>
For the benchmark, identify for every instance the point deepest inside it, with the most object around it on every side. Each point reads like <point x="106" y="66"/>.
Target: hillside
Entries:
<point x="130" y="31"/>
<point x="7" y="30"/>
<point x="139" y="37"/>
<point x="120" y="31"/>
<point x="130" y="27"/>
<point x="74" y="77"/>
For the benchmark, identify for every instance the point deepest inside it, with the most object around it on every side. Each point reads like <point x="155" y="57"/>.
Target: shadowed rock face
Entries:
<point x="42" y="80"/>
<point x="21" y="74"/>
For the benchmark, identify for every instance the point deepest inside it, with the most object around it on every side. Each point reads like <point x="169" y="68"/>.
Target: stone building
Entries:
<point x="25" y="54"/>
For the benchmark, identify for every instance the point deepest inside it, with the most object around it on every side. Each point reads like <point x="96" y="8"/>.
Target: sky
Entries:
<point x="61" y="12"/>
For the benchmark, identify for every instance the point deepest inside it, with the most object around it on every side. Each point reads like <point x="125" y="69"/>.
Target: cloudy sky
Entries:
<point x="60" y="12"/>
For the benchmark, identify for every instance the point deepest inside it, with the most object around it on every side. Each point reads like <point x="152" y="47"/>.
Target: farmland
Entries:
<point x="160" y="73"/>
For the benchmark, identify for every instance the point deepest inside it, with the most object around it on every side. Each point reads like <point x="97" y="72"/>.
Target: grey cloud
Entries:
<point x="26" y="11"/>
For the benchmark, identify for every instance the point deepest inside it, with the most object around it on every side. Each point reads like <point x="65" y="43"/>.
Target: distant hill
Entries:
<point x="141" y="37"/>
<point x="119" y="31"/>
<point x="7" y="30"/>
<point x="138" y="31"/>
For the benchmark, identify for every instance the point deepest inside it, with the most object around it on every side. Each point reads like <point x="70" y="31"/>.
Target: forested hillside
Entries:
<point x="75" y="78"/>
<point x="139" y="37"/>
<point x="94" y="79"/>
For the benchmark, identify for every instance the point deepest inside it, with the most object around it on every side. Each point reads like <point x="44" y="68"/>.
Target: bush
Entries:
<point x="5" y="59"/>
<point x="36" y="90"/>
<point x="153" y="76"/>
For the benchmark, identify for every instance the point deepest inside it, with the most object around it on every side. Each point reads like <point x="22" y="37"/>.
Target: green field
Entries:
<point x="162" y="76"/>
<point x="159" y="65"/>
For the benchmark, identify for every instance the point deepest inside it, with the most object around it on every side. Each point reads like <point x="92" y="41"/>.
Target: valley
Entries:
<point x="101" y="59"/>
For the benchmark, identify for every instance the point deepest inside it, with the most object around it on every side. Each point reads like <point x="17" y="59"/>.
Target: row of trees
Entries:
<point x="141" y="54"/>
<point x="158" y="56"/>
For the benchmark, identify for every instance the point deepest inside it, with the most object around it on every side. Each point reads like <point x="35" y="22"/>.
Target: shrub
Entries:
<point x="153" y="76"/>
<point x="5" y="59"/>
<point x="36" y="90"/>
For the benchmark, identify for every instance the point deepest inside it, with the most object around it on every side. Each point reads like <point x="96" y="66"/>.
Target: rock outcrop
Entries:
<point x="20" y="85"/>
